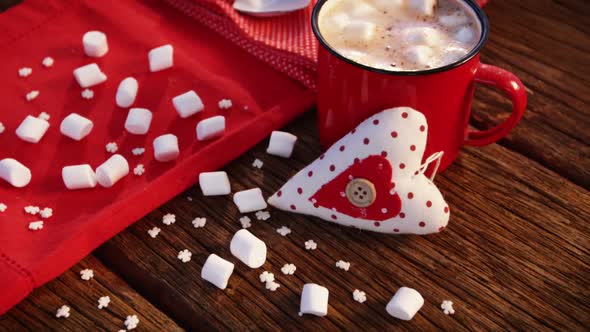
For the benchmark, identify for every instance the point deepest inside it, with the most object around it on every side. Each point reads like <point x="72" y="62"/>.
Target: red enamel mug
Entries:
<point x="349" y="92"/>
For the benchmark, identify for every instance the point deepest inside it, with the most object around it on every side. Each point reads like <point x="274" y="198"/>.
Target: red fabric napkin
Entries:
<point x="204" y="61"/>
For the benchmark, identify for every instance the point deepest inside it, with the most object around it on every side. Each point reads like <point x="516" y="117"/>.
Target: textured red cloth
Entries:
<point x="204" y="61"/>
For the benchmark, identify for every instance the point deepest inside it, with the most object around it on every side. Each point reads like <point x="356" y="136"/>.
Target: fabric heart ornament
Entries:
<point x="372" y="178"/>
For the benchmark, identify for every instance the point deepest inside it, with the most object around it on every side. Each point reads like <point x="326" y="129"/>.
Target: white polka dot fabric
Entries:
<point x="395" y="136"/>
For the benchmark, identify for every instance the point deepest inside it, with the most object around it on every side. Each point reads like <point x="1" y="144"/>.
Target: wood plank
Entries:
<point x="37" y="311"/>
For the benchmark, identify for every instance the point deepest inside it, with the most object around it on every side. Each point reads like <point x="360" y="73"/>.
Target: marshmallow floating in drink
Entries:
<point x="419" y="54"/>
<point x="464" y="35"/>
<point x="248" y="248"/>
<point x="89" y="75"/>
<point x="211" y="128"/>
<point x="217" y="271"/>
<point x="281" y="144"/>
<point x="405" y="303"/>
<point x="187" y="104"/>
<point x="161" y="58"/>
<point x="15" y="173"/>
<point x="95" y="44"/>
<point x="359" y="31"/>
<point x="214" y="183"/>
<point x="387" y="5"/>
<point x="126" y="92"/>
<point x="78" y="177"/>
<point x="112" y="170"/>
<point x="32" y="129"/>
<point x="422" y="36"/>
<point x="166" y="148"/>
<point x="453" y="20"/>
<point x="423" y="7"/>
<point x="76" y="126"/>
<point x="250" y="200"/>
<point x="138" y="121"/>
<point x="314" y="300"/>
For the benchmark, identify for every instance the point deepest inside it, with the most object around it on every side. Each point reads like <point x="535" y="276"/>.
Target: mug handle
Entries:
<point x="514" y="89"/>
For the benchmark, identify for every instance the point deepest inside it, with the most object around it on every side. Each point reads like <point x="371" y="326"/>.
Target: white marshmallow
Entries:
<point x="15" y="173"/>
<point x="361" y="9"/>
<point x="166" y="148"/>
<point x="453" y="20"/>
<point x="138" y="121"/>
<point x="76" y="126"/>
<point x="95" y="44"/>
<point x="359" y="31"/>
<point x="339" y="20"/>
<point x="249" y="200"/>
<point x="420" y="54"/>
<point x="453" y="54"/>
<point x="89" y="75"/>
<point x="464" y="35"/>
<point x="423" y="7"/>
<point x="387" y="5"/>
<point x="32" y="129"/>
<point x="161" y="58"/>
<point x="126" y="92"/>
<point x="214" y="183"/>
<point x="78" y="177"/>
<point x="405" y="303"/>
<point x="112" y="170"/>
<point x="217" y="271"/>
<point x="281" y="144"/>
<point x="314" y="300"/>
<point x="422" y="36"/>
<point x="248" y="248"/>
<point x="210" y="128"/>
<point x="187" y="104"/>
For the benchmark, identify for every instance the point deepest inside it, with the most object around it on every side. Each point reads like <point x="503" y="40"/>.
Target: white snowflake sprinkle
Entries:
<point x="2" y="128"/>
<point x="46" y="213"/>
<point x="257" y="163"/>
<point x="25" y="71"/>
<point x="36" y="225"/>
<point x="343" y="265"/>
<point x="199" y="222"/>
<point x="3" y="207"/>
<point x="139" y="170"/>
<point x="103" y="302"/>
<point x="185" y="255"/>
<point x="32" y="209"/>
<point x="225" y="104"/>
<point x="131" y="322"/>
<point x="246" y="222"/>
<point x="138" y="151"/>
<point x="447" y="307"/>
<point x="359" y="296"/>
<point x="44" y="116"/>
<point x="272" y="286"/>
<point x="267" y="277"/>
<point x="47" y="61"/>
<point x="112" y="147"/>
<point x="32" y="95"/>
<point x="86" y="274"/>
<point x="311" y="245"/>
<point x="262" y="215"/>
<point x="288" y="269"/>
<point x="189" y="198"/>
<point x="169" y="219"/>
<point x="87" y="94"/>
<point x="284" y="230"/>
<point x="63" y="311"/>
<point x="154" y="232"/>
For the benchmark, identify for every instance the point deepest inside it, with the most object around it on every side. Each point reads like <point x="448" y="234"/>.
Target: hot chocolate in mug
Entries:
<point x="349" y="92"/>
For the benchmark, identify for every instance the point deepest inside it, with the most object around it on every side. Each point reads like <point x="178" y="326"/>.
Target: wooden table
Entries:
<point x="514" y="257"/>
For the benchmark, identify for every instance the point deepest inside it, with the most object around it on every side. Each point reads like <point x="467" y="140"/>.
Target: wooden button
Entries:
<point x="361" y="192"/>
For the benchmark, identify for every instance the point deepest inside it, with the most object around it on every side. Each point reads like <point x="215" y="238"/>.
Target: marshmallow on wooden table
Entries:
<point x="32" y="129"/>
<point x="89" y="75"/>
<point x="161" y="58"/>
<point x="187" y="104"/>
<point x="78" y="177"/>
<point x="210" y="128"/>
<point x="214" y="183"/>
<point x="405" y="303"/>
<point x="249" y="200"/>
<point x="126" y="92"/>
<point x="138" y="121"/>
<point x="217" y="271"/>
<point x="112" y="170"/>
<point x="95" y="44"/>
<point x="420" y="54"/>
<point x="314" y="300"/>
<point x="248" y="248"/>
<point x="166" y="148"/>
<point x="359" y="31"/>
<point x="76" y="126"/>
<point x="423" y="7"/>
<point x="281" y="144"/>
<point x="15" y="173"/>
